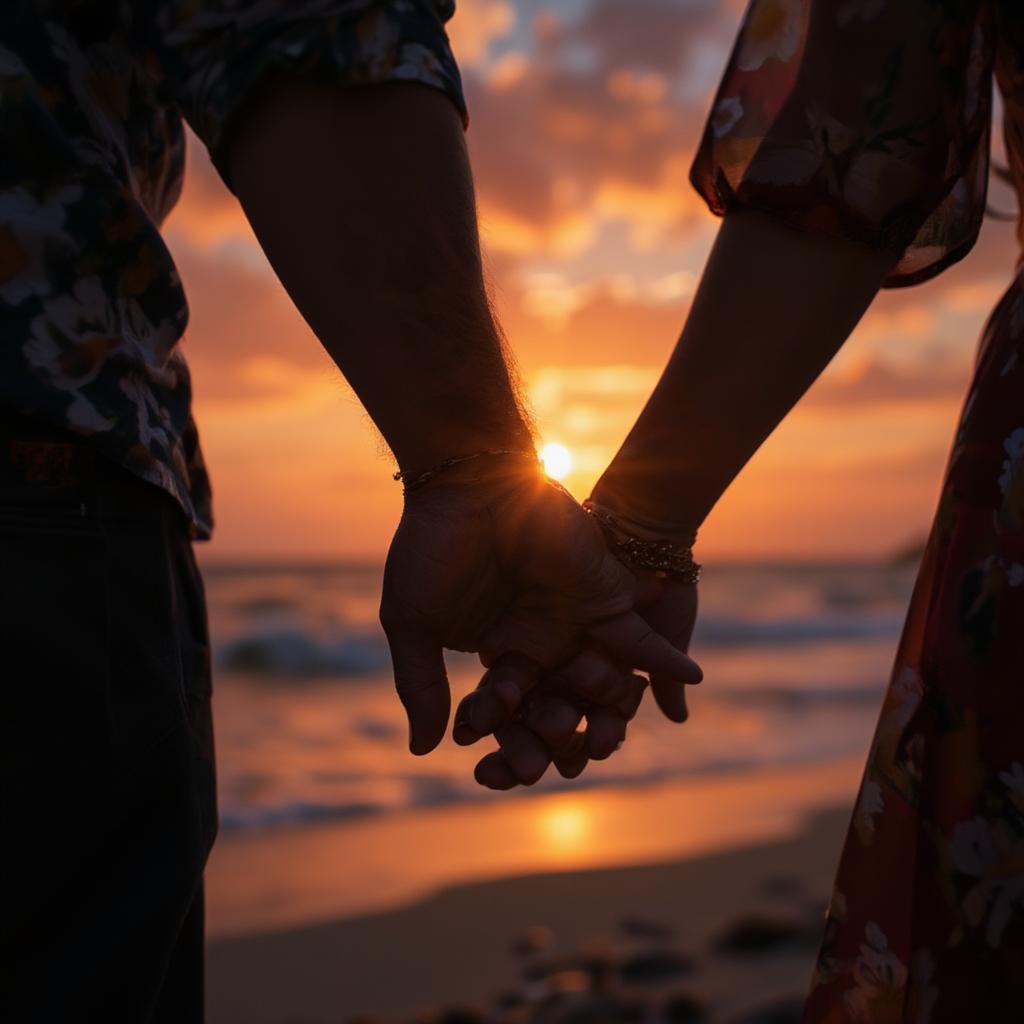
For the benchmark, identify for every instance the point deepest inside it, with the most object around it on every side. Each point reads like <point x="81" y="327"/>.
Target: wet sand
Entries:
<point x="683" y="902"/>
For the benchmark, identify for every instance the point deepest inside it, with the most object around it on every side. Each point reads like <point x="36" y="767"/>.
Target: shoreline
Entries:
<point x="309" y="931"/>
<point x="290" y="876"/>
<point x="452" y="953"/>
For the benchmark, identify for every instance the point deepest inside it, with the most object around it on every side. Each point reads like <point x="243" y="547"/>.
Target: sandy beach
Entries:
<point x="696" y="901"/>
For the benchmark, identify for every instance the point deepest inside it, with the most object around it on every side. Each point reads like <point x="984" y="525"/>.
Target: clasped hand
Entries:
<point x="499" y="560"/>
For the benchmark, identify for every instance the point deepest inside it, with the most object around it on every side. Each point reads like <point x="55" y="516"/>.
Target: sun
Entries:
<point x="557" y="461"/>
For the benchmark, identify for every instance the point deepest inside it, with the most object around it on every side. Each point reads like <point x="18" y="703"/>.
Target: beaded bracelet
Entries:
<point x="418" y="481"/>
<point x="671" y="561"/>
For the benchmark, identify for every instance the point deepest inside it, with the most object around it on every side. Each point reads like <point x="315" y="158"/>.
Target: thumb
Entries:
<point x="422" y="684"/>
<point x="632" y="641"/>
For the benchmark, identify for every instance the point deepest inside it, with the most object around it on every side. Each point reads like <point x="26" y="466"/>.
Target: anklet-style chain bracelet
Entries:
<point x="416" y="482"/>
<point x="673" y="561"/>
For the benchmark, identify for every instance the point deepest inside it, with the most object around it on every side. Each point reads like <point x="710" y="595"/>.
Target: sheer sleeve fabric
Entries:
<point x="863" y="119"/>
<point x="208" y="56"/>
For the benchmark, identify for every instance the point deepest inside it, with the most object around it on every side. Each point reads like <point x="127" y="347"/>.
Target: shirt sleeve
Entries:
<point x="208" y="56"/>
<point x="863" y="119"/>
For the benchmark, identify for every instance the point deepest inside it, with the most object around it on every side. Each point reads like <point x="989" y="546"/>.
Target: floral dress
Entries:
<point x="869" y="119"/>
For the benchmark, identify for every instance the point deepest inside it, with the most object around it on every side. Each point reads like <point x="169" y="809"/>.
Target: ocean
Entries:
<point x="796" y="658"/>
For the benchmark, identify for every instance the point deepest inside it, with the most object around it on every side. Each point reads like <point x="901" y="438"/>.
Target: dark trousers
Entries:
<point x="107" y="799"/>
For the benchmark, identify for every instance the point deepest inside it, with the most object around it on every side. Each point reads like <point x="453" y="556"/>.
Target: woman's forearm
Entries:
<point x="773" y="307"/>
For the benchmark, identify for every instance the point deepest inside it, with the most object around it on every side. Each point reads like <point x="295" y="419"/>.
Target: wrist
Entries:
<point x="669" y="559"/>
<point x="647" y="511"/>
<point x="431" y="446"/>
<point x="481" y="466"/>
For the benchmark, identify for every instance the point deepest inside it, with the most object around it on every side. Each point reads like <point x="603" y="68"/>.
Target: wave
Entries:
<point x="241" y="816"/>
<point x="291" y="651"/>
<point x="297" y="653"/>
<point x="299" y="812"/>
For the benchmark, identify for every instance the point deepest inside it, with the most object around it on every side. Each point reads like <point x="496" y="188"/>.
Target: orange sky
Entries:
<point x="584" y="115"/>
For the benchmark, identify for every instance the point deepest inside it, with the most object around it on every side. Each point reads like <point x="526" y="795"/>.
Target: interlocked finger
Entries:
<point x="571" y="761"/>
<point x="496" y="698"/>
<point x="553" y="719"/>
<point x="524" y="752"/>
<point x="636" y="686"/>
<point x="606" y="731"/>
<point x="493" y="772"/>
<point x="592" y="677"/>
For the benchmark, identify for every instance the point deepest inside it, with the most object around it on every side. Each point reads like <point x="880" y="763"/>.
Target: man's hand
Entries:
<point x="498" y="559"/>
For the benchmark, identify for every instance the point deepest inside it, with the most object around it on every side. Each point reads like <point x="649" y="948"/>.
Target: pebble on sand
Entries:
<point x="765" y="935"/>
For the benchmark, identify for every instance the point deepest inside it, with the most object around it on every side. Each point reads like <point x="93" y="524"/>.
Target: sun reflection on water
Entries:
<point x="565" y="827"/>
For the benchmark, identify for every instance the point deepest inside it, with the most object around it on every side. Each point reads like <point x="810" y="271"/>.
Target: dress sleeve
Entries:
<point x="208" y="56"/>
<point x="863" y="119"/>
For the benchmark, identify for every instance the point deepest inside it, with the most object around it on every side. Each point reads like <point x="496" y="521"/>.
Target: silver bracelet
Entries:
<point x="662" y="557"/>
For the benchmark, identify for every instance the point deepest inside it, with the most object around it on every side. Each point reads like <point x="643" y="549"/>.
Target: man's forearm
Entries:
<point x="362" y="199"/>
<point x="773" y="307"/>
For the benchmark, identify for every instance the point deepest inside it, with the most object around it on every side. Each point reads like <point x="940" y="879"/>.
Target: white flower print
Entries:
<point x="32" y="232"/>
<point x="991" y="854"/>
<point x="725" y="115"/>
<point x="154" y="343"/>
<point x="880" y="978"/>
<point x="908" y="689"/>
<point x="103" y="138"/>
<point x="869" y="167"/>
<point x="870" y="805"/>
<point x="82" y="415"/>
<point x="68" y="321"/>
<point x="379" y="40"/>
<point x="417" y="63"/>
<point x="796" y="161"/>
<point x="772" y="31"/>
<point x="152" y="421"/>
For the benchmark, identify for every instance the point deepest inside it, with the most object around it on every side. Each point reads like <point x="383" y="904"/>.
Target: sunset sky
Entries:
<point x="585" y="115"/>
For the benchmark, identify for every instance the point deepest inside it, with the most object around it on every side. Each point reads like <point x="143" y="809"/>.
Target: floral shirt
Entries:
<point x="93" y="95"/>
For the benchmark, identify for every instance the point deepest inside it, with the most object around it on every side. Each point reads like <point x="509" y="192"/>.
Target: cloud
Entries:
<point x="594" y="131"/>
<point x="242" y="322"/>
<point x="872" y="381"/>
<point x="646" y="35"/>
<point x="476" y="26"/>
